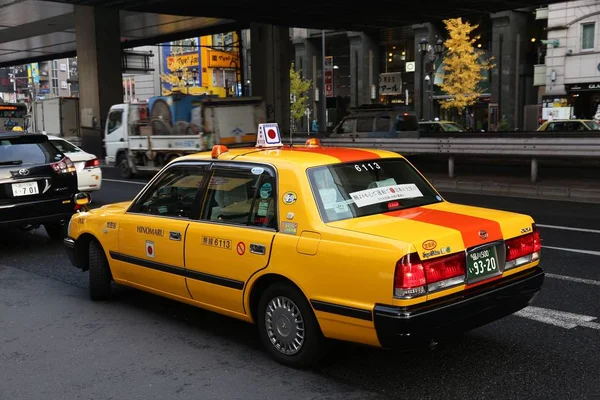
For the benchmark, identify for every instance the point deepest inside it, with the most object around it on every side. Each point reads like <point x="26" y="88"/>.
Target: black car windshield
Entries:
<point x="352" y="190"/>
<point x="24" y="150"/>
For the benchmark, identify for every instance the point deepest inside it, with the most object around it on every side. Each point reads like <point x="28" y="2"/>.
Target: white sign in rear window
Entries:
<point x="388" y="193"/>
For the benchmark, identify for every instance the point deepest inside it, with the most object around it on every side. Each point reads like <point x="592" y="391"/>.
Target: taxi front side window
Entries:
<point x="175" y="194"/>
<point x="241" y="196"/>
<point x="353" y="190"/>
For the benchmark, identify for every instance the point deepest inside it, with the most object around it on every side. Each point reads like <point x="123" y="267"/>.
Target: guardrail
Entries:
<point x="533" y="148"/>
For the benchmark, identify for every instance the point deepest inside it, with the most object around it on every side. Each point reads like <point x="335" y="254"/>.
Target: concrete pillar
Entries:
<point x="509" y="49"/>
<point x="98" y="43"/>
<point x="422" y="101"/>
<point x="306" y="58"/>
<point x="364" y="68"/>
<point x="271" y="58"/>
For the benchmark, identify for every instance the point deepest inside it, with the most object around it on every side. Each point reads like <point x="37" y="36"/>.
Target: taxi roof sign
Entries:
<point x="268" y="135"/>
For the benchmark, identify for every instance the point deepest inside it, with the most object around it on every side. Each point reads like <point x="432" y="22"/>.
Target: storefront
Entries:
<point x="585" y="98"/>
<point x="397" y="70"/>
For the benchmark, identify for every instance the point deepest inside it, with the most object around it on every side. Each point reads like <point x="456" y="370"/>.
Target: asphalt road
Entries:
<point x="57" y="344"/>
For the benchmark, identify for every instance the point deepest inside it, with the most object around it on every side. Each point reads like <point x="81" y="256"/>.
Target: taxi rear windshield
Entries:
<point x="353" y="190"/>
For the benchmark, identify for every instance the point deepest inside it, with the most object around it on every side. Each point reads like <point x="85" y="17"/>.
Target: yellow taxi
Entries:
<point x="312" y="243"/>
<point x="569" y="125"/>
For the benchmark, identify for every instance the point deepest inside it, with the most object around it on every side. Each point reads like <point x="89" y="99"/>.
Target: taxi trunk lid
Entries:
<point x="432" y="230"/>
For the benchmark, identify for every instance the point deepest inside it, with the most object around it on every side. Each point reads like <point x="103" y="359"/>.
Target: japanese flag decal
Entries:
<point x="149" y="249"/>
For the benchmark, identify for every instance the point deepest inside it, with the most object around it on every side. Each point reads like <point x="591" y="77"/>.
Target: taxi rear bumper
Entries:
<point x="413" y="326"/>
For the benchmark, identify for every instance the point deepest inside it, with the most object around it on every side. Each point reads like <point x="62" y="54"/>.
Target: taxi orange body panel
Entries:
<point x="347" y="269"/>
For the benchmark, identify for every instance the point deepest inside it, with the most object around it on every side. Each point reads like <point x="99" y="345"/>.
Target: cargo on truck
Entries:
<point x="147" y="136"/>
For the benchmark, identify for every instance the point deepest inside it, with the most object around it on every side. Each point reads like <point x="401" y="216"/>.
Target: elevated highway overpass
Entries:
<point x="97" y="30"/>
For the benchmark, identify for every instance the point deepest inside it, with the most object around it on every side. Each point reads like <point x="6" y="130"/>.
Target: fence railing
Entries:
<point x="528" y="145"/>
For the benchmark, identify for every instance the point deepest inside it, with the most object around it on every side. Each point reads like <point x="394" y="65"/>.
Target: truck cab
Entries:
<point x="122" y="118"/>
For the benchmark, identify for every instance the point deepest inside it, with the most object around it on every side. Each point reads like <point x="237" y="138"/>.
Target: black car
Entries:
<point x="37" y="184"/>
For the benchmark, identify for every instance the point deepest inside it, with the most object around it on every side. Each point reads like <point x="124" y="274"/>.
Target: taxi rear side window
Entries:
<point x="352" y="190"/>
<point x="241" y="196"/>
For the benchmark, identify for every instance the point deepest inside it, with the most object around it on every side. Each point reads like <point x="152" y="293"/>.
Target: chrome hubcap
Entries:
<point x="285" y="325"/>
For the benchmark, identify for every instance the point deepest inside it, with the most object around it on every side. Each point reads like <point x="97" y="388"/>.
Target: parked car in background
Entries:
<point x="89" y="174"/>
<point x="37" y="184"/>
<point x="440" y="127"/>
<point x="570" y="125"/>
<point x="377" y="121"/>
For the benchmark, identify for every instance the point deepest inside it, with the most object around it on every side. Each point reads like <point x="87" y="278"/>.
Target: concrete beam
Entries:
<point x="38" y="28"/>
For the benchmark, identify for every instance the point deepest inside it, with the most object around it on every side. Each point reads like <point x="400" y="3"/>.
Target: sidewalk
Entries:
<point x="575" y="190"/>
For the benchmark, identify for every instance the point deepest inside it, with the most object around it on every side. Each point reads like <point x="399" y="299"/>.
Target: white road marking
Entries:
<point x="588" y="252"/>
<point x="568" y="228"/>
<point x="561" y="319"/>
<point x="120" y="181"/>
<point x="571" y="279"/>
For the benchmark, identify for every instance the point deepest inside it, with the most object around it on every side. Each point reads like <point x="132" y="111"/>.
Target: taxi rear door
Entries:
<point x="152" y="232"/>
<point x="233" y="238"/>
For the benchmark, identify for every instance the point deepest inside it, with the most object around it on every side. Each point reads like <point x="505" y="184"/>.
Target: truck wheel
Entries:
<point x="100" y="277"/>
<point x="288" y="327"/>
<point x="124" y="168"/>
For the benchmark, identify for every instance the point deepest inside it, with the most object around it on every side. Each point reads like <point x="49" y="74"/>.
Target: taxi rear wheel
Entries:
<point x="288" y="327"/>
<point x="100" y="276"/>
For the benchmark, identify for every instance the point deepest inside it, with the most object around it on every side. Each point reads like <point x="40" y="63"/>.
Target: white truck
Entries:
<point x="146" y="137"/>
<point x="58" y="116"/>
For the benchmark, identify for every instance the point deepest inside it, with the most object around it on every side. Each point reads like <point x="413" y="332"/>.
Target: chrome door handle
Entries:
<point x="175" y="235"/>
<point x="258" y="249"/>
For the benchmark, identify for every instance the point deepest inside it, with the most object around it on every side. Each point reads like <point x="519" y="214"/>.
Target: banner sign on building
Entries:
<point x="583" y="87"/>
<point x="222" y="59"/>
<point x="182" y="61"/>
<point x="390" y="84"/>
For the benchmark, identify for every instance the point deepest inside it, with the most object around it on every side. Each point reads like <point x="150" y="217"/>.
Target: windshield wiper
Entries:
<point x="15" y="162"/>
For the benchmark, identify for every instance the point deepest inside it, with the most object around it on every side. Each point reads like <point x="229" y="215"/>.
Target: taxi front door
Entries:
<point x="233" y="239"/>
<point x="152" y="234"/>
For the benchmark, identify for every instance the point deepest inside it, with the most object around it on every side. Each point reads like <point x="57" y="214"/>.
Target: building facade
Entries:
<point x="569" y="79"/>
<point x="202" y="65"/>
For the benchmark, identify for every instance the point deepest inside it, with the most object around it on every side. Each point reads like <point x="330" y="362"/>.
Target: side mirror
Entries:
<point x="82" y="200"/>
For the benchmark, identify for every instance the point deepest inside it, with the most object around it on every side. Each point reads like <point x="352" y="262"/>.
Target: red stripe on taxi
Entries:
<point x="469" y="227"/>
<point x="344" y="155"/>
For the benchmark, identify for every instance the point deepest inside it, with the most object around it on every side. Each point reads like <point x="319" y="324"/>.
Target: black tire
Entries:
<point x="56" y="231"/>
<point x="124" y="168"/>
<point x="312" y="347"/>
<point x="100" y="277"/>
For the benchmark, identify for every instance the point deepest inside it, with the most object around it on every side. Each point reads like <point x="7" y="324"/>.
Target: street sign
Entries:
<point x="390" y="84"/>
<point x="329" y="62"/>
<point x="329" y="83"/>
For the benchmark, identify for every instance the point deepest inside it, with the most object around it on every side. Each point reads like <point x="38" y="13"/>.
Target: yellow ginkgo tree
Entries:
<point x="464" y="65"/>
<point x="299" y="88"/>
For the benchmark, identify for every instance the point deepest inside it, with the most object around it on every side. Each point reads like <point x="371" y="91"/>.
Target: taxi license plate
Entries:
<point x="482" y="263"/>
<point x="25" y="189"/>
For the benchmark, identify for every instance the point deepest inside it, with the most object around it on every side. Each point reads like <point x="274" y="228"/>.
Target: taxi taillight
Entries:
<point x="523" y="249"/>
<point x="415" y="278"/>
